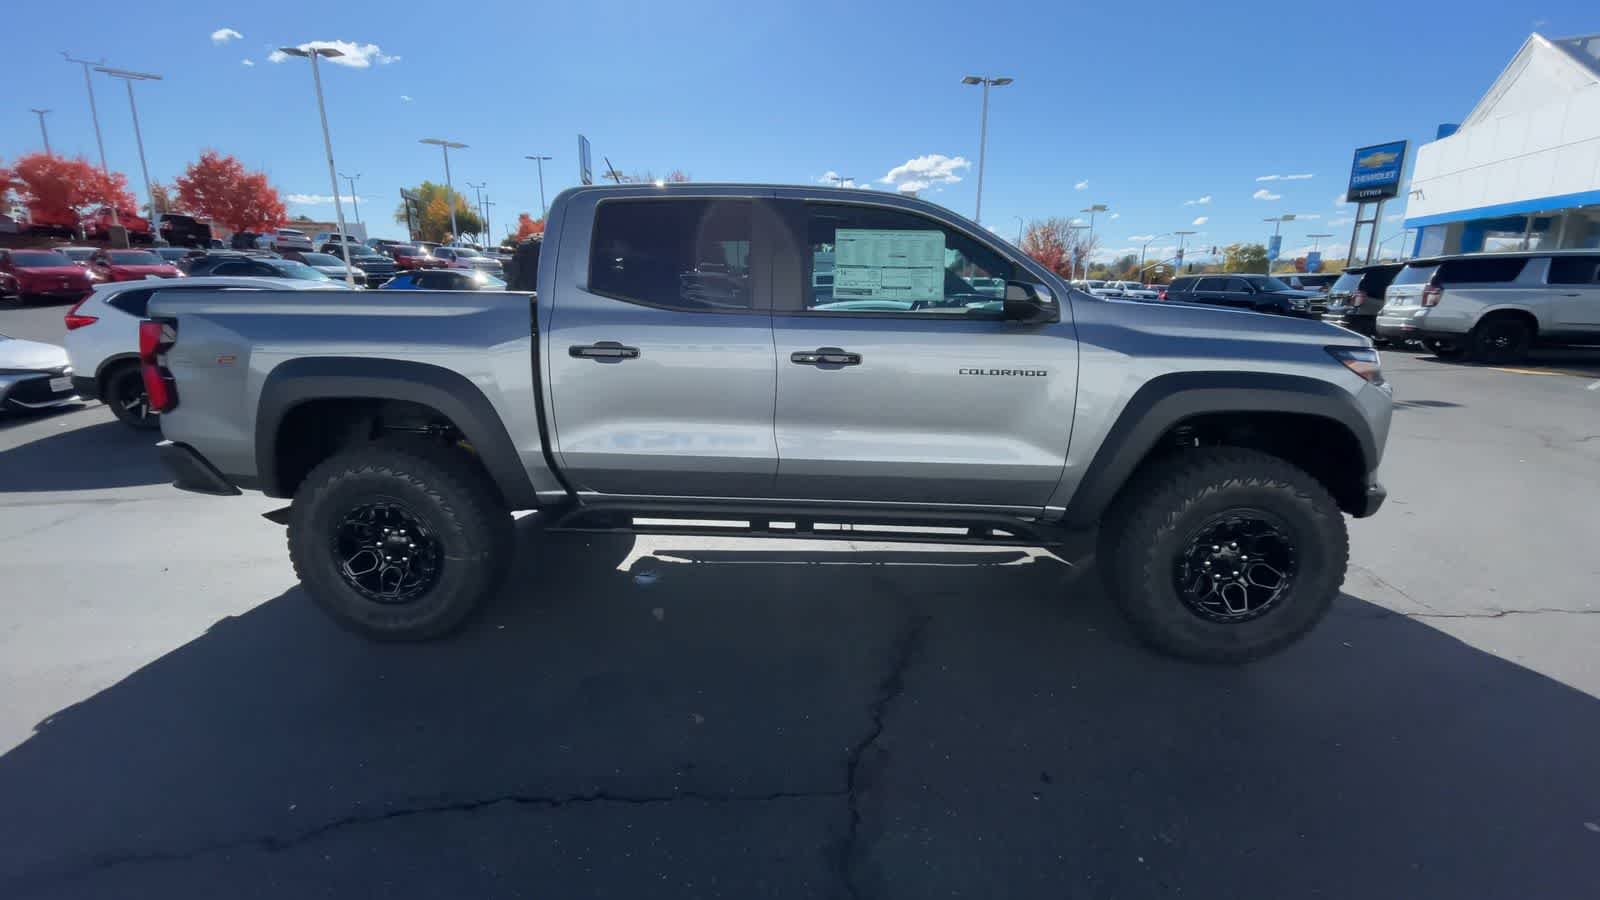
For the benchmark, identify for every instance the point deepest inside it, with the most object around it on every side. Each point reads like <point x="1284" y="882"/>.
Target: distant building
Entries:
<point x="1523" y="169"/>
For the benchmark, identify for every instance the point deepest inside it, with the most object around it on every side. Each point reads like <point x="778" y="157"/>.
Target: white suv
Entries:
<point x="1495" y="306"/>
<point x="103" y="337"/>
<point x="284" y="239"/>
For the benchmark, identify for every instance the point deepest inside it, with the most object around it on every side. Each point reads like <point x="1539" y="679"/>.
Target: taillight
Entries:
<point x="75" y="319"/>
<point x="1432" y="294"/>
<point x="1358" y="298"/>
<point x="1162" y="295"/>
<point x="155" y="338"/>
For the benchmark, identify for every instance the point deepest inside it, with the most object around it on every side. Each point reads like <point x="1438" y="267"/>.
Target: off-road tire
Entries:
<point x="124" y="386"/>
<point x="1166" y="504"/>
<point x="443" y="488"/>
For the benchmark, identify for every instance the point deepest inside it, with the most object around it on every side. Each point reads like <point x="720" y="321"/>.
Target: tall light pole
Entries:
<point x="540" y="161"/>
<point x="1178" y="262"/>
<point x="488" y="234"/>
<point x="1147" y="246"/>
<point x="327" y="144"/>
<point x="1019" y="229"/>
<point x="1077" y="246"/>
<point x="354" y="200"/>
<point x="1277" y="223"/>
<point x="1316" y="240"/>
<point x="477" y="200"/>
<point x="839" y="180"/>
<point x="94" y="116"/>
<point x="43" y="131"/>
<point x="128" y="78"/>
<point x="1091" y="210"/>
<point x="983" y="131"/>
<point x="449" y="189"/>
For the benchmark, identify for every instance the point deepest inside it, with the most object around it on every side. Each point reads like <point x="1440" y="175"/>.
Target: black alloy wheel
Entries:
<point x="387" y="553"/>
<point x="129" y="401"/>
<point x="1501" y="340"/>
<point x="1236" y="567"/>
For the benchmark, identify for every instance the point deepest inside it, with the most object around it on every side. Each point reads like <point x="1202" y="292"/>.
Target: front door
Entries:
<point x="1575" y="283"/>
<point x="660" y="354"/>
<point x="898" y="379"/>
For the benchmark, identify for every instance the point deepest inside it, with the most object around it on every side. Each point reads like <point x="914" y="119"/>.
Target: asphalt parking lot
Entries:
<point x="679" y="717"/>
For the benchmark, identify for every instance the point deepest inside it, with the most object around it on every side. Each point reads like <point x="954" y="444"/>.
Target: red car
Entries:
<point x="130" y="265"/>
<point x="98" y="225"/>
<point x="62" y="223"/>
<point x="408" y="256"/>
<point x="41" y="273"/>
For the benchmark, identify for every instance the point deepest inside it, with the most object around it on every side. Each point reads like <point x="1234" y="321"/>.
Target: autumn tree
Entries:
<point x="1244" y="258"/>
<point x="1055" y="244"/>
<point x="219" y="188"/>
<point x="161" y="200"/>
<point x="51" y="186"/>
<point x="527" y="227"/>
<point x="432" y="220"/>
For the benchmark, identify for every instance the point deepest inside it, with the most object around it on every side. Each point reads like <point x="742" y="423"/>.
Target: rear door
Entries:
<point x="1212" y="290"/>
<point x="902" y="383"/>
<point x="1576" y="283"/>
<point x="659" y="360"/>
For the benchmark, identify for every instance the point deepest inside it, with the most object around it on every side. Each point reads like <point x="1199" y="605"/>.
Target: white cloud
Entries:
<point x="319" y="199"/>
<point x="1079" y="220"/>
<point x="405" y="98"/>
<point x="1201" y="220"/>
<point x="1199" y="201"/>
<point x="1302" y="177"/>
<point x="1141" y="237"/>
<point x="1265" y="194"/>
<point x="247" y="62"/>
<point x="1339" y="200"/>
<point x="923" y="172"/>
<point x="1342" y="220"/>
<point x="1115" y="216"/>
<point x="1081" y="186"/>
<point x="224" y="35"/>
<point x="356" y="56"/>
<point x="831" y="179"/>
<point x="1308" y="215"/>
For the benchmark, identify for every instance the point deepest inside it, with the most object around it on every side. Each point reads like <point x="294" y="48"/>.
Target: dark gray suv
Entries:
<point x="1260" y="293"/>
<point x="1354" y="300"/>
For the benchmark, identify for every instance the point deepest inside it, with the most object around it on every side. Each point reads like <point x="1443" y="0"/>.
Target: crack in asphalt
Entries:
<point x="1502" y="613"/>
<point x="890" y="689"/>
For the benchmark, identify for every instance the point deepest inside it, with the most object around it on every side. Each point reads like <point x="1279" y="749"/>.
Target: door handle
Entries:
<point x="605" y="351"/>
<point x="825" y="356"/>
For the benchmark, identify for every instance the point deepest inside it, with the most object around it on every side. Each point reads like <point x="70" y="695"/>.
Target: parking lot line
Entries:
<point x="1567" y="372"/>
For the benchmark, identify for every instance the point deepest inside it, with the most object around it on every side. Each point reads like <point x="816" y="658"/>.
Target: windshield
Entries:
<point x="321" y="259"/>
<point x="134" y="258"/>
<point x="1268" y="283"/>
<point x="486" y="282"/>
<point x="1415" y="275"/>
<point x="39" y="258"/>
<point x="1346" y="284"/>
<point x="288" y="268"/>
<point x="1094" y="284"/>
<point x="407" y="250"/>
<point x="464" y="251"/>
<point x="78" y="254"/>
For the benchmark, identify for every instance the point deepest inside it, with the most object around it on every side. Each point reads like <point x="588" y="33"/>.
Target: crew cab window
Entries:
<point x="1212" y="284"/>
<point x="686" y="254"/>
<point x="1480" y="270"/>
<point x="867" y="259"/>
<point x="1575" y="270"/>
<point x="1237" y="286"/>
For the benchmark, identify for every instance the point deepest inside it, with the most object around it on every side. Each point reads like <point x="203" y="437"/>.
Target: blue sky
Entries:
<point x="1148" y="108"/>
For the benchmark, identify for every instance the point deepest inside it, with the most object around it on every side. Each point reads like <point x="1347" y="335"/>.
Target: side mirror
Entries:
<point x="1030" y="303"/>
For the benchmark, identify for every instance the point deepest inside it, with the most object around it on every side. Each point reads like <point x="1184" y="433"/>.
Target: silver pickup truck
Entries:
<point x="801" y="362"/>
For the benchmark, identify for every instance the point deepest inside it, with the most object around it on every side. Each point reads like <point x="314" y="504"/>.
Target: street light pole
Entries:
<point x="1077" y="246"/>
<point x="45" y="132"/>
<point x="477" y="197"/>
<point x="983" y="131"/>
<point x="1177" y="265"/>
<point x="1277" y="223"/>
<point x="449" y="189"/>
<point x="539" y="161"/>
<point x="1091" y="210"/>
<point x="1147" y="247"/>
<point x="354" y="200"/>
<point x="327" y="144"/>
<point x="94" y="116"/>
<point x="488" y="233"/>
<point x="128" y="78"/>
<point x="1019" y="230"/>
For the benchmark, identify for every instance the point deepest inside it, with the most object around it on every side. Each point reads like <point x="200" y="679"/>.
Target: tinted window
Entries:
<point x="321" y="259"/>
<point x="39" y="258"/>
<point x="680" y="254"/>
<point x="886" y="260"/>
<point x="288" y="268"/>
<point x="1346" y="284"/>
<point x="1212" y="284"/>
<point x="134" y="303"/>
<point x="236" y="267"/>
<point x="1268" y="283"/>
<point x="134" y="258"/>
<point x="1575" y="270"/>
<point x="1237" y="286"/>
<point x="1483" y="270"/>
<point x="1415" y="275"/>
<point x="1182" y="284"/>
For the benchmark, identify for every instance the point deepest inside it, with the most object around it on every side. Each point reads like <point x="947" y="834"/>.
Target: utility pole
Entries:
<point x="540" y="161"/>
<point x="488" y="233"/>
<point x="1019" y="230"/>
<point x="354" y="200"/>
<point x="983" y="131"/>
<point x="94" y="116"/>
<point x="839" y="180"/>
<point x="1177" y="268"/>
<point x="477" y="196"/>
<point x="45" y="132"/>
<point x="128" y="78"/>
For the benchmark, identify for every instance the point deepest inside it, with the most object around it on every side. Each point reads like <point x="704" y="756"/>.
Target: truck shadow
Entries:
<point x="91" y="457"/>
<point x="756" y="720"/>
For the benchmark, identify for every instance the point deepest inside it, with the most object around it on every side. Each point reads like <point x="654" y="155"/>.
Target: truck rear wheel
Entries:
<point x="399" y="541"/>
<point x="1224" y="554"/>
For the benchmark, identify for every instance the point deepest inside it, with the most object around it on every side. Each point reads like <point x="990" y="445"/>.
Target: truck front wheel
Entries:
<point x="399" y="541"/>
<point x="1224" y="554"/>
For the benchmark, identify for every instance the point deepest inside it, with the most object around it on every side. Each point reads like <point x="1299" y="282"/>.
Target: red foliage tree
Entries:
<point x="219" y="188"/>
<point x="1054" y="243"/>
<point x="527" y="227"/>
<point x="53" y="185"/>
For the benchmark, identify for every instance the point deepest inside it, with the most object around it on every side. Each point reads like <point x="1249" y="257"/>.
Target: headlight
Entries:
<point x="1363" y="361"/>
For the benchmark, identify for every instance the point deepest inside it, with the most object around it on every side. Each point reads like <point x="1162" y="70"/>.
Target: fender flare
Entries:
<point x="309" y="378"/>
<point x="1164" y="402"/>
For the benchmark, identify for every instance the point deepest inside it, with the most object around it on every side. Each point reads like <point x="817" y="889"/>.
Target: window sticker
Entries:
<point x="880" y="264"/>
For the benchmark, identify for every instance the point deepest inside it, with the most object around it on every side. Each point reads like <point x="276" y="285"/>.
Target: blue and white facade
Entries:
<point x="1523" y="169"/>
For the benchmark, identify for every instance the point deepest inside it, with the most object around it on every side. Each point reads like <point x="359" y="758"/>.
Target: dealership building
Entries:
<point x="1522" y="171"/>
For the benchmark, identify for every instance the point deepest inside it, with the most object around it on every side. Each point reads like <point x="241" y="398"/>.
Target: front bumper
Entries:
<point x="193" y="472"/>
<point x="32" y="390"/>
<point x="1367" y="325"/>
<point x="1372" y="498"/>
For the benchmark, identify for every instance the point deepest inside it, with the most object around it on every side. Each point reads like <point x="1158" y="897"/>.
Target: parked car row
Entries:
<point x="1261" y="293"/>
